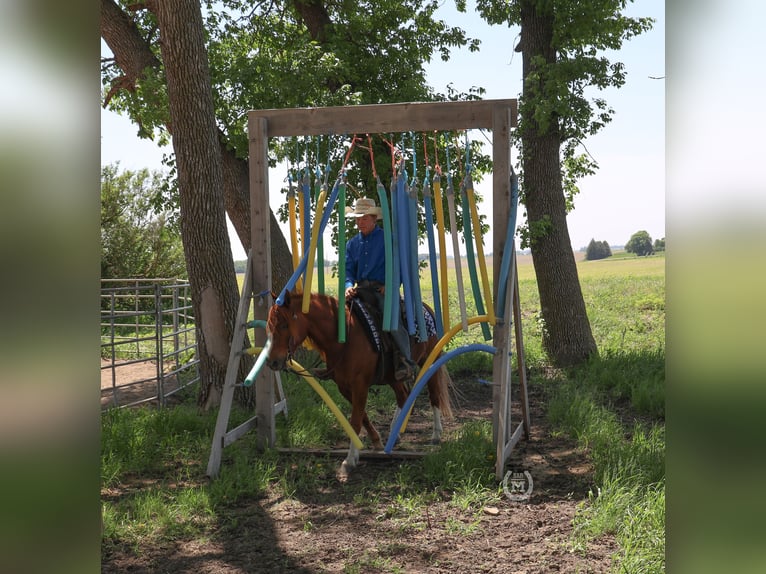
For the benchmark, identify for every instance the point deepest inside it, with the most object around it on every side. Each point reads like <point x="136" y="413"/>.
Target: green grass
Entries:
<point x="153" y="461"/>
<point x="152" y="474"/>
<point x="597" y="404"/>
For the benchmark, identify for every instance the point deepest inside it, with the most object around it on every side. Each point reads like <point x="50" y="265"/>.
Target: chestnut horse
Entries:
<point x="353" y="365"/>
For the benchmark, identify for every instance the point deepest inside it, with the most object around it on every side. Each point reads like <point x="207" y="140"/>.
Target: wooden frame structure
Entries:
<point x="497" y="115"/>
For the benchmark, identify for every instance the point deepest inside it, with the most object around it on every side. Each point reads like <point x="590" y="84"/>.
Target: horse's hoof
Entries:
<point x="436" y="441"/>
<point x="344" y="472"/>
<point x="377" y="445"/>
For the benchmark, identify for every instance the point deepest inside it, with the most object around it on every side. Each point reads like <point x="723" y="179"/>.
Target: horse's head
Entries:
<point x="287" y="327"/>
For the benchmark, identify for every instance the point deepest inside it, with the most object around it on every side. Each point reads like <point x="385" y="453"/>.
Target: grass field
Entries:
<point x="611" y="410"/>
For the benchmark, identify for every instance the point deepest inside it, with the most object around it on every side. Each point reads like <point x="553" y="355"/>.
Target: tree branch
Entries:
<point x="314" y="16"/>
<point x="131" y="52"/>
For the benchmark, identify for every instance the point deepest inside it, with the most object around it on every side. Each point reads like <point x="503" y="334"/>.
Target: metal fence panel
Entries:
<point x="148" y="341"/>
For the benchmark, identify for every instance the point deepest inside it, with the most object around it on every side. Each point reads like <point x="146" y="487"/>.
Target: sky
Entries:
<point x="627" y="193"/>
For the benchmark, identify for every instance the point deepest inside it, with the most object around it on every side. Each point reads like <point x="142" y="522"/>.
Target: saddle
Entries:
<point x="365" y="307"/>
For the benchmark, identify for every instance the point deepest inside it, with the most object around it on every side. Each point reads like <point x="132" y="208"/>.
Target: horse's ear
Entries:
<point x="286" y="302"/>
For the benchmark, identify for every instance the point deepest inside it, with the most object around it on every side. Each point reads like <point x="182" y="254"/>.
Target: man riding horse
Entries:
<point x="366" y="276"/>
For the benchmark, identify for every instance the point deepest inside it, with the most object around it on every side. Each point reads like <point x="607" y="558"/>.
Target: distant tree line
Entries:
<point x="597" y="250"/>
<point x="639" y="243"/>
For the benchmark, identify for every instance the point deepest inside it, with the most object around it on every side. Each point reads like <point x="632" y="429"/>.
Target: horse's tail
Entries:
<point x="443" y="392"/>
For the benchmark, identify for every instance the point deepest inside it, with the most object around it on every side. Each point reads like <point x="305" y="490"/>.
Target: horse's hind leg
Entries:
<point x="433" y="393"/>
<point x="372" y="432"/>
<point x="436" y="438"/>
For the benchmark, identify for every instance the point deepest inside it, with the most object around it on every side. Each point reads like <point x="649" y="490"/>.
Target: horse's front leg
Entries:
<point x="373" y="433"/>
<point x="358" y="414"/>
<point x="349" y="463"/>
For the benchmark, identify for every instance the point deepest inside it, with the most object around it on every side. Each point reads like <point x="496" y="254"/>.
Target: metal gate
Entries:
<point x="148" y="341"/>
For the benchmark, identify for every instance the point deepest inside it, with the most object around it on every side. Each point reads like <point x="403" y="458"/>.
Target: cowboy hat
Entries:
<point x="364" y="206"/>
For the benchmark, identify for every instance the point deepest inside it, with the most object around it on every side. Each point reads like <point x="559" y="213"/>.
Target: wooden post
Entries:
<point x="227" y="394"/>
<point x="501" y="187"/>
<point x="524" y="398"/>
<point x="260" y="245"/>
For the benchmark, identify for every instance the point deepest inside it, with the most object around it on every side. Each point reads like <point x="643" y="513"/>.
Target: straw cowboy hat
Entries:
<point x="364" y="206"/>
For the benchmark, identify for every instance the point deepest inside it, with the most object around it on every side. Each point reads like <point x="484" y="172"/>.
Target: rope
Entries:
<point x="395" y="264"/>
<point x="509" y="249"/>
<point x="387" y="241"/>
<point x="456" y="245"/>
<point x="292" y="216"/>
<point x="311" y="251"/>
<point x="412" y="194"/>
<point x="320" y="193"/>
<point x="302" y="265"/>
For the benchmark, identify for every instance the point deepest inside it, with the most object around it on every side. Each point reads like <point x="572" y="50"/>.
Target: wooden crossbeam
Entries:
<point x="383" y="118"/>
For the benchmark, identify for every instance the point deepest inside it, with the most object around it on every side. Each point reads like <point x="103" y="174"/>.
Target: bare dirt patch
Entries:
<point x="124" y="384"/>
<point x="332" y="530"/>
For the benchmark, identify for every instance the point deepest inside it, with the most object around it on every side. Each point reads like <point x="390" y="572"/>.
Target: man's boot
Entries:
<point x="406" y="371"/>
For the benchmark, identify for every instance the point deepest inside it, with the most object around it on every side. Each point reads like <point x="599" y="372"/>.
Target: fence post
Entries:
<point x="137" y="293"/>
<point x="113" y="352"/>
<point x="158" y="345"/>
<point x="175" y="323"/>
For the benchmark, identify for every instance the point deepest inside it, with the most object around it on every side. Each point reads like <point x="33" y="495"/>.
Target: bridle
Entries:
<point x="279" y="323"/>
<point x="278" y="320"/>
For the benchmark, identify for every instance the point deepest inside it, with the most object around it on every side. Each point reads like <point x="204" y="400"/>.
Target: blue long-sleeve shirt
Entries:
<point x="366" y="258"/>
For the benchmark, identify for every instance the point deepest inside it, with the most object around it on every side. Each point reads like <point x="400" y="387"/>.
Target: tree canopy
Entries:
<point x="296" y="53"/>
<point x="563" y="45"/>
<point x="293" y="53"/>
<point x="640" y="243"/>
<point x="138" y="237"/>
<point x="560" y="97"/>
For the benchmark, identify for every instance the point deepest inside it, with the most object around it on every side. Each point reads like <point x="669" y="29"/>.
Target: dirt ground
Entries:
<point x="133" y="382"/>
<point x="333" y="531"/>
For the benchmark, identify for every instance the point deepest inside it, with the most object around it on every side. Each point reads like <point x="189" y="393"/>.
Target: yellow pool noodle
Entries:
<point x="328" y="401"/>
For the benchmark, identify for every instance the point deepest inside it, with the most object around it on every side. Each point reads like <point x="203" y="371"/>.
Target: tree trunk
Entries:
<point x="236" y="197"/>
<point x="209" y="262"/>
<point x="133" y="54"/>
<point x="206" y="245"/>
<point x="567" y="336"/>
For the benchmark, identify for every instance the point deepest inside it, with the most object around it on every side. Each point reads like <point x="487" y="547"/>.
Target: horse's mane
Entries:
<point x="293" y="304"/>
